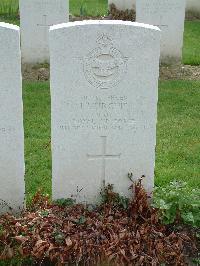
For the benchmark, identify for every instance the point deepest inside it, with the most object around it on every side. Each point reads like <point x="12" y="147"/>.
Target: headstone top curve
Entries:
<point x="102" y="22"/>
<point x="9" y="26"/>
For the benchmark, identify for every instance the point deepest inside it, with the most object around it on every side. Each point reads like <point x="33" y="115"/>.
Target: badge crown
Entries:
<point x="104" y="40"/>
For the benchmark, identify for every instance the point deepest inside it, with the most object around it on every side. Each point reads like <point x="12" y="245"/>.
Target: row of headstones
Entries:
<point x="37" y="16"/>
<point x="104" y="91"/>
<point x="191" y="5"/>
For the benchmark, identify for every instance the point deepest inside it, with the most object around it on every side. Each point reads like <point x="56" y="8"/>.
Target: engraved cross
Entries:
<point x="45" y="22"/>
<point x="160" y="23"/>
<point x="103" y="156"/>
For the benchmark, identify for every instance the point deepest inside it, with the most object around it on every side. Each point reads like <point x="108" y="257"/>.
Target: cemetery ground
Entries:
<point x="178" y="132"/>
<point x="177" y="153"/>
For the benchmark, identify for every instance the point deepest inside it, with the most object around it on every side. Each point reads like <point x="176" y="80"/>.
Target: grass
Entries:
<point x="178" y="131"/>
<point x="191" y="49"/>
<point x="9" y="11"/>
<point x="177" y="155"/>
<point x="36" y="98"/>
<point x="10" y="19"/>
<point x="9" y="7"/>
<point x="89" y="7"/>
<point x="77" y="7"/>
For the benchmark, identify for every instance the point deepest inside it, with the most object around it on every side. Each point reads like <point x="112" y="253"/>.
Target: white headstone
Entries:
<point x="104" y="81"/>
<point x="122" y="4"/>
<point x="193" y="6"/>
<point x="12" y="188"/>
<point x="169" y="16"/>
<point x="36" y="17"/>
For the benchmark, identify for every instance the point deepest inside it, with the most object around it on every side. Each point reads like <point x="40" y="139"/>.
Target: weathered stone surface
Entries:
<point x="12" y="186"/>
<point x="169" y="16"/>
<point x="36" y="17"/>
<point x="104" y="81"/>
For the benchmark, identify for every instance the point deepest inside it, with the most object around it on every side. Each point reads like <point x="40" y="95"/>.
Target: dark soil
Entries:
<point x="192" y="16"/>
<point x="36" y="72"/>
<point x="129" y="15"/>
<point x="181" y="72"/>
<point x="114" y="14"/>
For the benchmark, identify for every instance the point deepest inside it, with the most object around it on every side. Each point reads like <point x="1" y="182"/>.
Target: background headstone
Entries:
<point x="193" y="6"/>
<point x="122" y="4"/>
<point x="36" y="17"/>
<point x="12" y="188"/>
<point x="169" y="16"/>
<point x="104" y="81"/>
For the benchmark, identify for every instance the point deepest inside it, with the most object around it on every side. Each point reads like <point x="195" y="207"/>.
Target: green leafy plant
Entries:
<point x="64" y="202"/>
<point x="109" y="196"/>
<point x="81" y="220"/>
<point x="1" y="230"/>
<point x="58" y="236"/>
<point x="44" y="213"/>
<point x="196" y="261"/>
<point x="177" y="202"/>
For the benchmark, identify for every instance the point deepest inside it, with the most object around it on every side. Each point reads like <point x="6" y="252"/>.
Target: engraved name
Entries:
<point x="100" y="113"/>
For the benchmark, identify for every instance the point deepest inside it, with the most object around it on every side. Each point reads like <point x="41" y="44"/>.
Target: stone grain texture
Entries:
<point x="12" y="187"/>
<point x="104" y="91"/>
<point x="36" y="17"/>
<point x="169" y="16"/>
